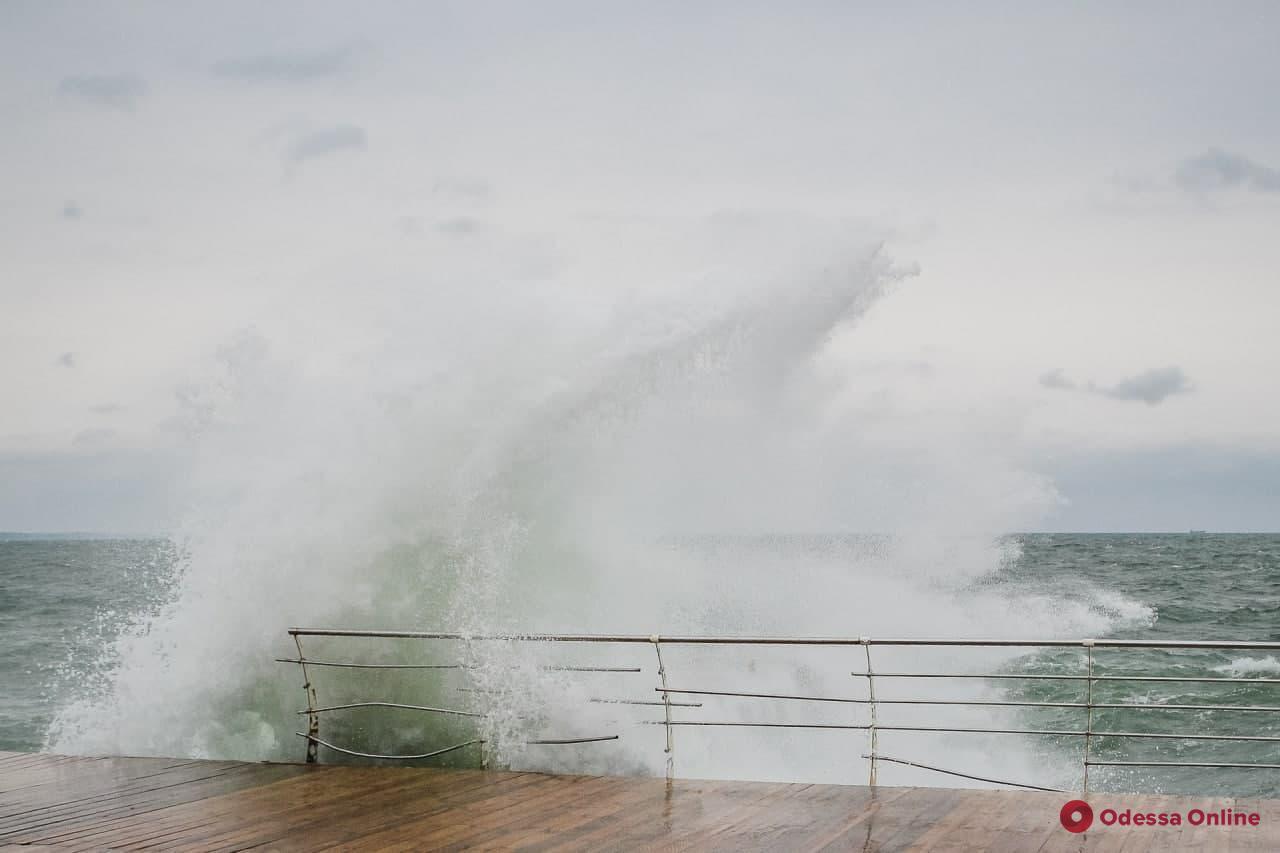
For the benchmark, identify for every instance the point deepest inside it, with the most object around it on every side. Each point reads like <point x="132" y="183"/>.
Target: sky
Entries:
<point x="1089" y="192"/>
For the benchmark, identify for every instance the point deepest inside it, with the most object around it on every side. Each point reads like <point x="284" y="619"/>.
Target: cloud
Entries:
<point x="120" y="91"/>
<point x="459" y="227"/>
<point x="1152" y="386"/>
<point x="1216" y="169"/>
<point x="67" y="359"/>
<point x="462" y="189"/>
<point x="288" y="67"/>
<point x="321" y="143"/>
<point x="94" y="438"/>
<point x="1056" y="379"/>
<point x="893" y="368"/>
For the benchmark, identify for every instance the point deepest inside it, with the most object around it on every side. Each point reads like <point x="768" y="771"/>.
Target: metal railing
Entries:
<point x="1089" y="678"/>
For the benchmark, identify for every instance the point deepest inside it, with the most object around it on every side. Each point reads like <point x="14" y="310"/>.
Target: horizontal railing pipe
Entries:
<point x="570" y="740"/>
<point x="358" y="754"/>
<point x="966" y="730"/>
<point x="358" y="665"/>
<point x="1224" y="764"/>
<point x="1016" y="676"/>
<point x="657" y="703"/>
<point x="788" y="641"/>
<point x="1010" y="703"/>
<point x="390" y="705"/>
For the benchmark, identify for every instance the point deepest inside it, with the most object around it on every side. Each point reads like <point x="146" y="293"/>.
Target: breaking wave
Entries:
<point x="606" y="429"/>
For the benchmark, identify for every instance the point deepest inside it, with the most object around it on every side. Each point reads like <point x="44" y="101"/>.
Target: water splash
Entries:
<point x="600" y="432"/>
<point x="1243" y="667"/>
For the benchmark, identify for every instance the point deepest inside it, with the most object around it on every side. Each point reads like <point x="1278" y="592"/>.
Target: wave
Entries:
<point x="1246" y="666"/>
<point x="599" y="431"/>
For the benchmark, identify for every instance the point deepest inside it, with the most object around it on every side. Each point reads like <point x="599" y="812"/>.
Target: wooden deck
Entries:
<point x="64" y="803"/>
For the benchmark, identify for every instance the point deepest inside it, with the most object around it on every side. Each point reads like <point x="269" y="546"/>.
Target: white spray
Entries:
<point x="612" y="430"/>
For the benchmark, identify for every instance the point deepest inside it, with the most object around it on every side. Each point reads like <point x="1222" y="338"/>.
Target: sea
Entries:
<point x="64" y="599"/>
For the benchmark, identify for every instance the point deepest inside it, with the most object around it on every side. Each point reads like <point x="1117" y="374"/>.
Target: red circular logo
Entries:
<point x="1076" y="816"/>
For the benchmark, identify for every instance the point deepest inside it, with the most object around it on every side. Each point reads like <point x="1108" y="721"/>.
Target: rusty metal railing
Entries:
<point x="875" y="704"/>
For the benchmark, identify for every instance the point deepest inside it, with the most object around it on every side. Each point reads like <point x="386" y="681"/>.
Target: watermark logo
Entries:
<point x="1076" y="816"/>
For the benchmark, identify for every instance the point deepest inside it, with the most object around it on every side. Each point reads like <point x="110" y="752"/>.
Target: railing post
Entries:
<point x="313" y="719"/>
<point x="871" y="690"/>
<point x="666" y="703"/>
<point x="1088" y="727"/>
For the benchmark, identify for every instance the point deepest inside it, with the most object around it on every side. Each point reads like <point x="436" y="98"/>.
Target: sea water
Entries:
<point x="64" y="602"/>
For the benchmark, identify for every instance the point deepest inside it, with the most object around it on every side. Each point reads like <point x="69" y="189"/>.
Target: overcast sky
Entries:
<point x="1091" y="192"/>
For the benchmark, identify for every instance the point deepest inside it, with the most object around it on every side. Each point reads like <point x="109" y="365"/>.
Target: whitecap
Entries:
<point x="1241" y="667"/>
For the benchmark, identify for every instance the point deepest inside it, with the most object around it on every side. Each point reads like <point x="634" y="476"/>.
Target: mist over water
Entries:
<point x="604" y="429"/>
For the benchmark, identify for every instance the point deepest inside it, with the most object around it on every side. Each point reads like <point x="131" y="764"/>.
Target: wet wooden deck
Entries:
<point x="63" y="803"/>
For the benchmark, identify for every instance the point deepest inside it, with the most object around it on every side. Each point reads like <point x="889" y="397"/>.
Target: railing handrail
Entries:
<point x="1090" y="677"/>
<point x="678" y="639"/>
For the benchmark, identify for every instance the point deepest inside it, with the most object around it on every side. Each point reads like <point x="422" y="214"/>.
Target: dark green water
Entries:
<point x="61" y="601"/>
<point x="1199" y="587"/>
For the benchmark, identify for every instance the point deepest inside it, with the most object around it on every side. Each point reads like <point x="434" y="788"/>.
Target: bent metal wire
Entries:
<point x="665" y="692"/>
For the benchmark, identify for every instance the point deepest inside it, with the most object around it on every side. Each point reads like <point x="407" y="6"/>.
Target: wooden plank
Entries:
<point x="902" y="821"/>
<point x="79" y="790"/>
<point x="784" y="818"/>
<point x="890" y="820"/>
<point x="66" y="804"/>
<point x="1010" y="825"/>
<point x="622" y="815"/>
<point x="453" y="826"/>
<point x="303" y="825"/>
<point x="186" y="813"/>
<point x="252" y="812"/>
<point x="694" y="812"/>
<point x="834" y="815"/>
<point x="615" y="813"/>
<point x="129" y="800"/>
<point x="441" y="796"/>
<point x="492" y="823"/>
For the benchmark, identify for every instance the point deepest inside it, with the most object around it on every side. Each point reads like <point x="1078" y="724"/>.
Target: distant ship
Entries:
<point x="1197" y="531"/>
